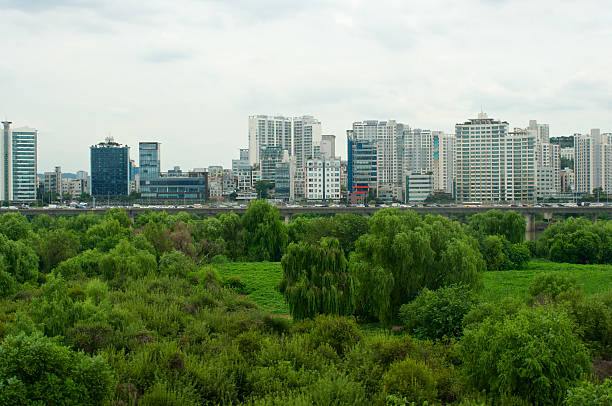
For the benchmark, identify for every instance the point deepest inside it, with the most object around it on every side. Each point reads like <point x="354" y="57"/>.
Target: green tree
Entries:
<point x="106" y="234"/>
<point x="509" y="224"/>
<point x="401" y="254"/>
<point x="56" y="246"/>
<point x="15" y="226"/>
<point x="18" y="260"/>
<point x="35" y="370"/>
<point x="316" y="280"/>
<point x="232" y="235"/>
<point x="126" y="261"/>
<point x="492" y="249"/>
<point x="262" y="187"/>
<point x="265" y="235"/>
<point x="533" y="355"/>
<point x="438" y="313"/>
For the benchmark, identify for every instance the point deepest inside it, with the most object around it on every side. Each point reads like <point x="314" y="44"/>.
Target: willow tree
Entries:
<point x="265" y="236"/>
<point x="403" y="253"/>
<point x="316" y="279"/>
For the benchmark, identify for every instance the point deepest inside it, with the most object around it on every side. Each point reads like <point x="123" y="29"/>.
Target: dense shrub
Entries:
<point x="577" y="240"/>
<point x="411" y="380"/>
<point x="35" y="370"/>
<point x="589" y="393"/>
<point x="439" y="313"/>
<point x="551" y="285"/>
<point x="534" y="355"/>
<point x="176" y="263"/>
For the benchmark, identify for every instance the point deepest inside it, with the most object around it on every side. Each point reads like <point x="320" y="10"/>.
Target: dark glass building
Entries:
<point x="361" y="166"/>
<point x="110" y="169"/>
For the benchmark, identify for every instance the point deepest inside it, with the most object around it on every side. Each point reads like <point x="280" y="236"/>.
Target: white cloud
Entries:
<point x="188" y="73"/>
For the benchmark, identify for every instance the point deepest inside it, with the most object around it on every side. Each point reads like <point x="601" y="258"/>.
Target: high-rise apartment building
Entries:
<point x="18" y="165"/>
<point x="389" y="138"/>
<point x="110" y="169"/>
<point x="444" y="162"/>
<point x="493" y="164"/>
<point x="419" y="150"/>
<point x="548" y="160"/>
<point x="299" y="136"/>
<point x="593" y="162"/>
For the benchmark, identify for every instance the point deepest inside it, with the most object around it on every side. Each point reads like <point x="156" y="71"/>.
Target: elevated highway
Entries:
<point x="529" y="212"/>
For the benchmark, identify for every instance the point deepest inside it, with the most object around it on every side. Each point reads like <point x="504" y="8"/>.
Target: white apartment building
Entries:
<point x="389" y="137"/>
<point x="567" y="153"/>
<point x="593" y="161"/>
<point x="444" y="162"/>
<point x="493" y="164"/>
<point x="299" y="136"/>
<point x="548" y="161"/>
<point x="18" y="163"/>
<point x="322" y="179"/>
<point x="418" y="150"/>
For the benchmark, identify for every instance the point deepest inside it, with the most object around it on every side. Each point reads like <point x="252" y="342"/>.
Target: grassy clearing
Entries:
<point x="591" y="278"/>
<point x="261" y="279"/>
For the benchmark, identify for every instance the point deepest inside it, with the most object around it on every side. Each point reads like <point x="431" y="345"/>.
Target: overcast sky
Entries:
<point x="188" y="73"/>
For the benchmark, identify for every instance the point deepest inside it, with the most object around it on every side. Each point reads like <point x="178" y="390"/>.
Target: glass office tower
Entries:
<point x="110" y="169"/>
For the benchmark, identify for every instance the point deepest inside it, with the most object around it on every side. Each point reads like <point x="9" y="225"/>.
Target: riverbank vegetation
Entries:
<point x="177" y="310"/>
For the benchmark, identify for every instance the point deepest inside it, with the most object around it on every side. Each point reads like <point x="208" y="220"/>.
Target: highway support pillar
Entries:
<point x="287" y="219"/>
<point x="530" y="229"/>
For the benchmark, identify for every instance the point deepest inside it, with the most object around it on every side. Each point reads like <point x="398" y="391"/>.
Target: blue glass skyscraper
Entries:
<point x="110" y="169"/>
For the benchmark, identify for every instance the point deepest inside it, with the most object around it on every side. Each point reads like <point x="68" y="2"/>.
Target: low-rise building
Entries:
<point x="419" y="185"/>
<point x="323" y="179"/>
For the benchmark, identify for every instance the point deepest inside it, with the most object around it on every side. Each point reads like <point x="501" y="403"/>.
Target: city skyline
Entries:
<point x="194" y="71"/>
<point x="340" y="146"/>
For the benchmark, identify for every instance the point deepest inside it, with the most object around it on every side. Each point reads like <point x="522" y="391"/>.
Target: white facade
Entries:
<point x="493" y="164"/>
<point x="567" y="153"/>
<point x="444" y="163"/>
<point x="548" y="161"/>
<point x="418" y="150"/>
<point x="593" y="161"/>
<point x="299" y="136"/>
<point x="323" y="179"/>
<point x="18" y="163"/>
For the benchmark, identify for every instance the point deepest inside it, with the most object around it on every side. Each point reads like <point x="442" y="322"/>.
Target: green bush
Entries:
<point x="439" y="313"/>
<point x="591" y="394"/>
<point x="533" y="355"/>
<point x="341" y="333"/>
<point x="176" y="263"/>
<point x="237" y="284"/>
<point x="551" y="284"/>
<point x="35" y="370"/>
<point x="410" y="379"/>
